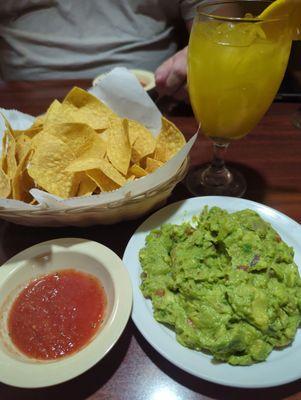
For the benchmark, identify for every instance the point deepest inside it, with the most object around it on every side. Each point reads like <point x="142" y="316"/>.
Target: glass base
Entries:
<point x="199" y="186"/>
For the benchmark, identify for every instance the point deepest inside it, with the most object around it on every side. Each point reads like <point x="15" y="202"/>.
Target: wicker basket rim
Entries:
<point x="176" y="178"/>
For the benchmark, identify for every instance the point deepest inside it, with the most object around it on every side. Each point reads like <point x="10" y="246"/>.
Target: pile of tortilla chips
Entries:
<point x="81" y="147"/>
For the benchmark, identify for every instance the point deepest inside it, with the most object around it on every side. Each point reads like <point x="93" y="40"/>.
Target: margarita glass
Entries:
<point x="236" y="62"/>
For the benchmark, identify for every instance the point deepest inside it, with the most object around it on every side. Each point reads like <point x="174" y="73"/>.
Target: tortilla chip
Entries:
<point x="97" y="148"/>
<point x="83" y="164"/>
<point x="11" y="162"/>
<point x="102" y="181"/>
<point x="86" y="186"/>
<point x="138" y="171"/>
<point x="22" y="182"/>
<point x="81" y="106"/>
<point x="111" y="172"/>
<point x="144" y="144"/>
<point x="30" y="133"/>
<point x="47" y="167"/>
<point x="70" y="113"/>
<point x="4" y="152"/>
<point x="5" y="187"/>
<point x="23" y="146"/>
<point x="97" y="163"/>
<point x="93" y="151"/>
<point x="78" y="137"/>
<point x="80" y="99"/>
<point x="152" y="164"/>
<point x="8" y="161"/>
<point x="52" y="113"/>
<point x="169" y="141"/>
<point x="39" y="121"/>
<point x="119" y="149"/>
<point x="104" y="135"/>
<point x="134" y="129"/>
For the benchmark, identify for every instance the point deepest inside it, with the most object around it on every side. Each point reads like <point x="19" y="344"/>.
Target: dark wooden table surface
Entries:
<point x="270" y="158"/>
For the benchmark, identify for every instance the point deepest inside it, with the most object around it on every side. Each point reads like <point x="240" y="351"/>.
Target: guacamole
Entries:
<point x="225" y="283"/>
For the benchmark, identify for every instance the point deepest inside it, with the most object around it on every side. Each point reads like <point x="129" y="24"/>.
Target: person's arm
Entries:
<point x="171" y="76"/>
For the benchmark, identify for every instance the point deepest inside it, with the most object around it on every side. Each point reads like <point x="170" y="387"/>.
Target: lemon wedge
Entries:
<point x="291" y="8"/>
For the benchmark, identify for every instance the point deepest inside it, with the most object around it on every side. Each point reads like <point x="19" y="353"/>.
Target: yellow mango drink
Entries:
<point x="235" y="70"/>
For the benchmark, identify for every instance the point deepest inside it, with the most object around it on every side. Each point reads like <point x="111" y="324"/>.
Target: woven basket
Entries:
<point x="106" y="214"/>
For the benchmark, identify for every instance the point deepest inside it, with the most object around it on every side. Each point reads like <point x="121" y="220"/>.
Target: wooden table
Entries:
<point x="270" y="158"/>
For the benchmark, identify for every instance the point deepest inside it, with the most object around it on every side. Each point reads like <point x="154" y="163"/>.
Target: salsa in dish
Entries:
<point x="57" y="314"/>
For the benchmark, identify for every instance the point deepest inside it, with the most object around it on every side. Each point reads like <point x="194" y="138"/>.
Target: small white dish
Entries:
<point x="281" y="366"/>
<point x="146" y="78"/>
<point x="47" y="257"/>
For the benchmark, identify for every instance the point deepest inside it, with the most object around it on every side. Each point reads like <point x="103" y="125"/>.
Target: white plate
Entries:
<point x="80" y="254"/>
<point x="281" y="366"/>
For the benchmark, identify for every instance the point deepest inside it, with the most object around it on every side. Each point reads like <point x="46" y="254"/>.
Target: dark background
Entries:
<point x="290" y="89"/>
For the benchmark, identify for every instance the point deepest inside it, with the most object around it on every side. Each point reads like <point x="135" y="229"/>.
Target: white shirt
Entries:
<point x="57" y="39"/>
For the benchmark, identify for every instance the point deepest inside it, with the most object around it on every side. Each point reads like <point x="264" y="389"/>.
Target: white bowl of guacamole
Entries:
<point x="217" y="290"/>
<point x="225" y="282"/>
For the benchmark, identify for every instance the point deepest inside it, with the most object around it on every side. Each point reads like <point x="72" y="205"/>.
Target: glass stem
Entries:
<point x="217" y="174"/>
<point x="219" y="151"/>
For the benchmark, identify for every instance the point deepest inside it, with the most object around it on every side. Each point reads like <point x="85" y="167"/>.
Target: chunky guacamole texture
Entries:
<point x="225" y="283"/>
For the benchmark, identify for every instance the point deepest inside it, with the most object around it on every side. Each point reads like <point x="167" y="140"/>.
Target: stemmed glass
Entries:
<point x="236" y="63"/>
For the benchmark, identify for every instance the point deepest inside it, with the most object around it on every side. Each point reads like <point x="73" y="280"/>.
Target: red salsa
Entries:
<point x="57" y="314"/>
